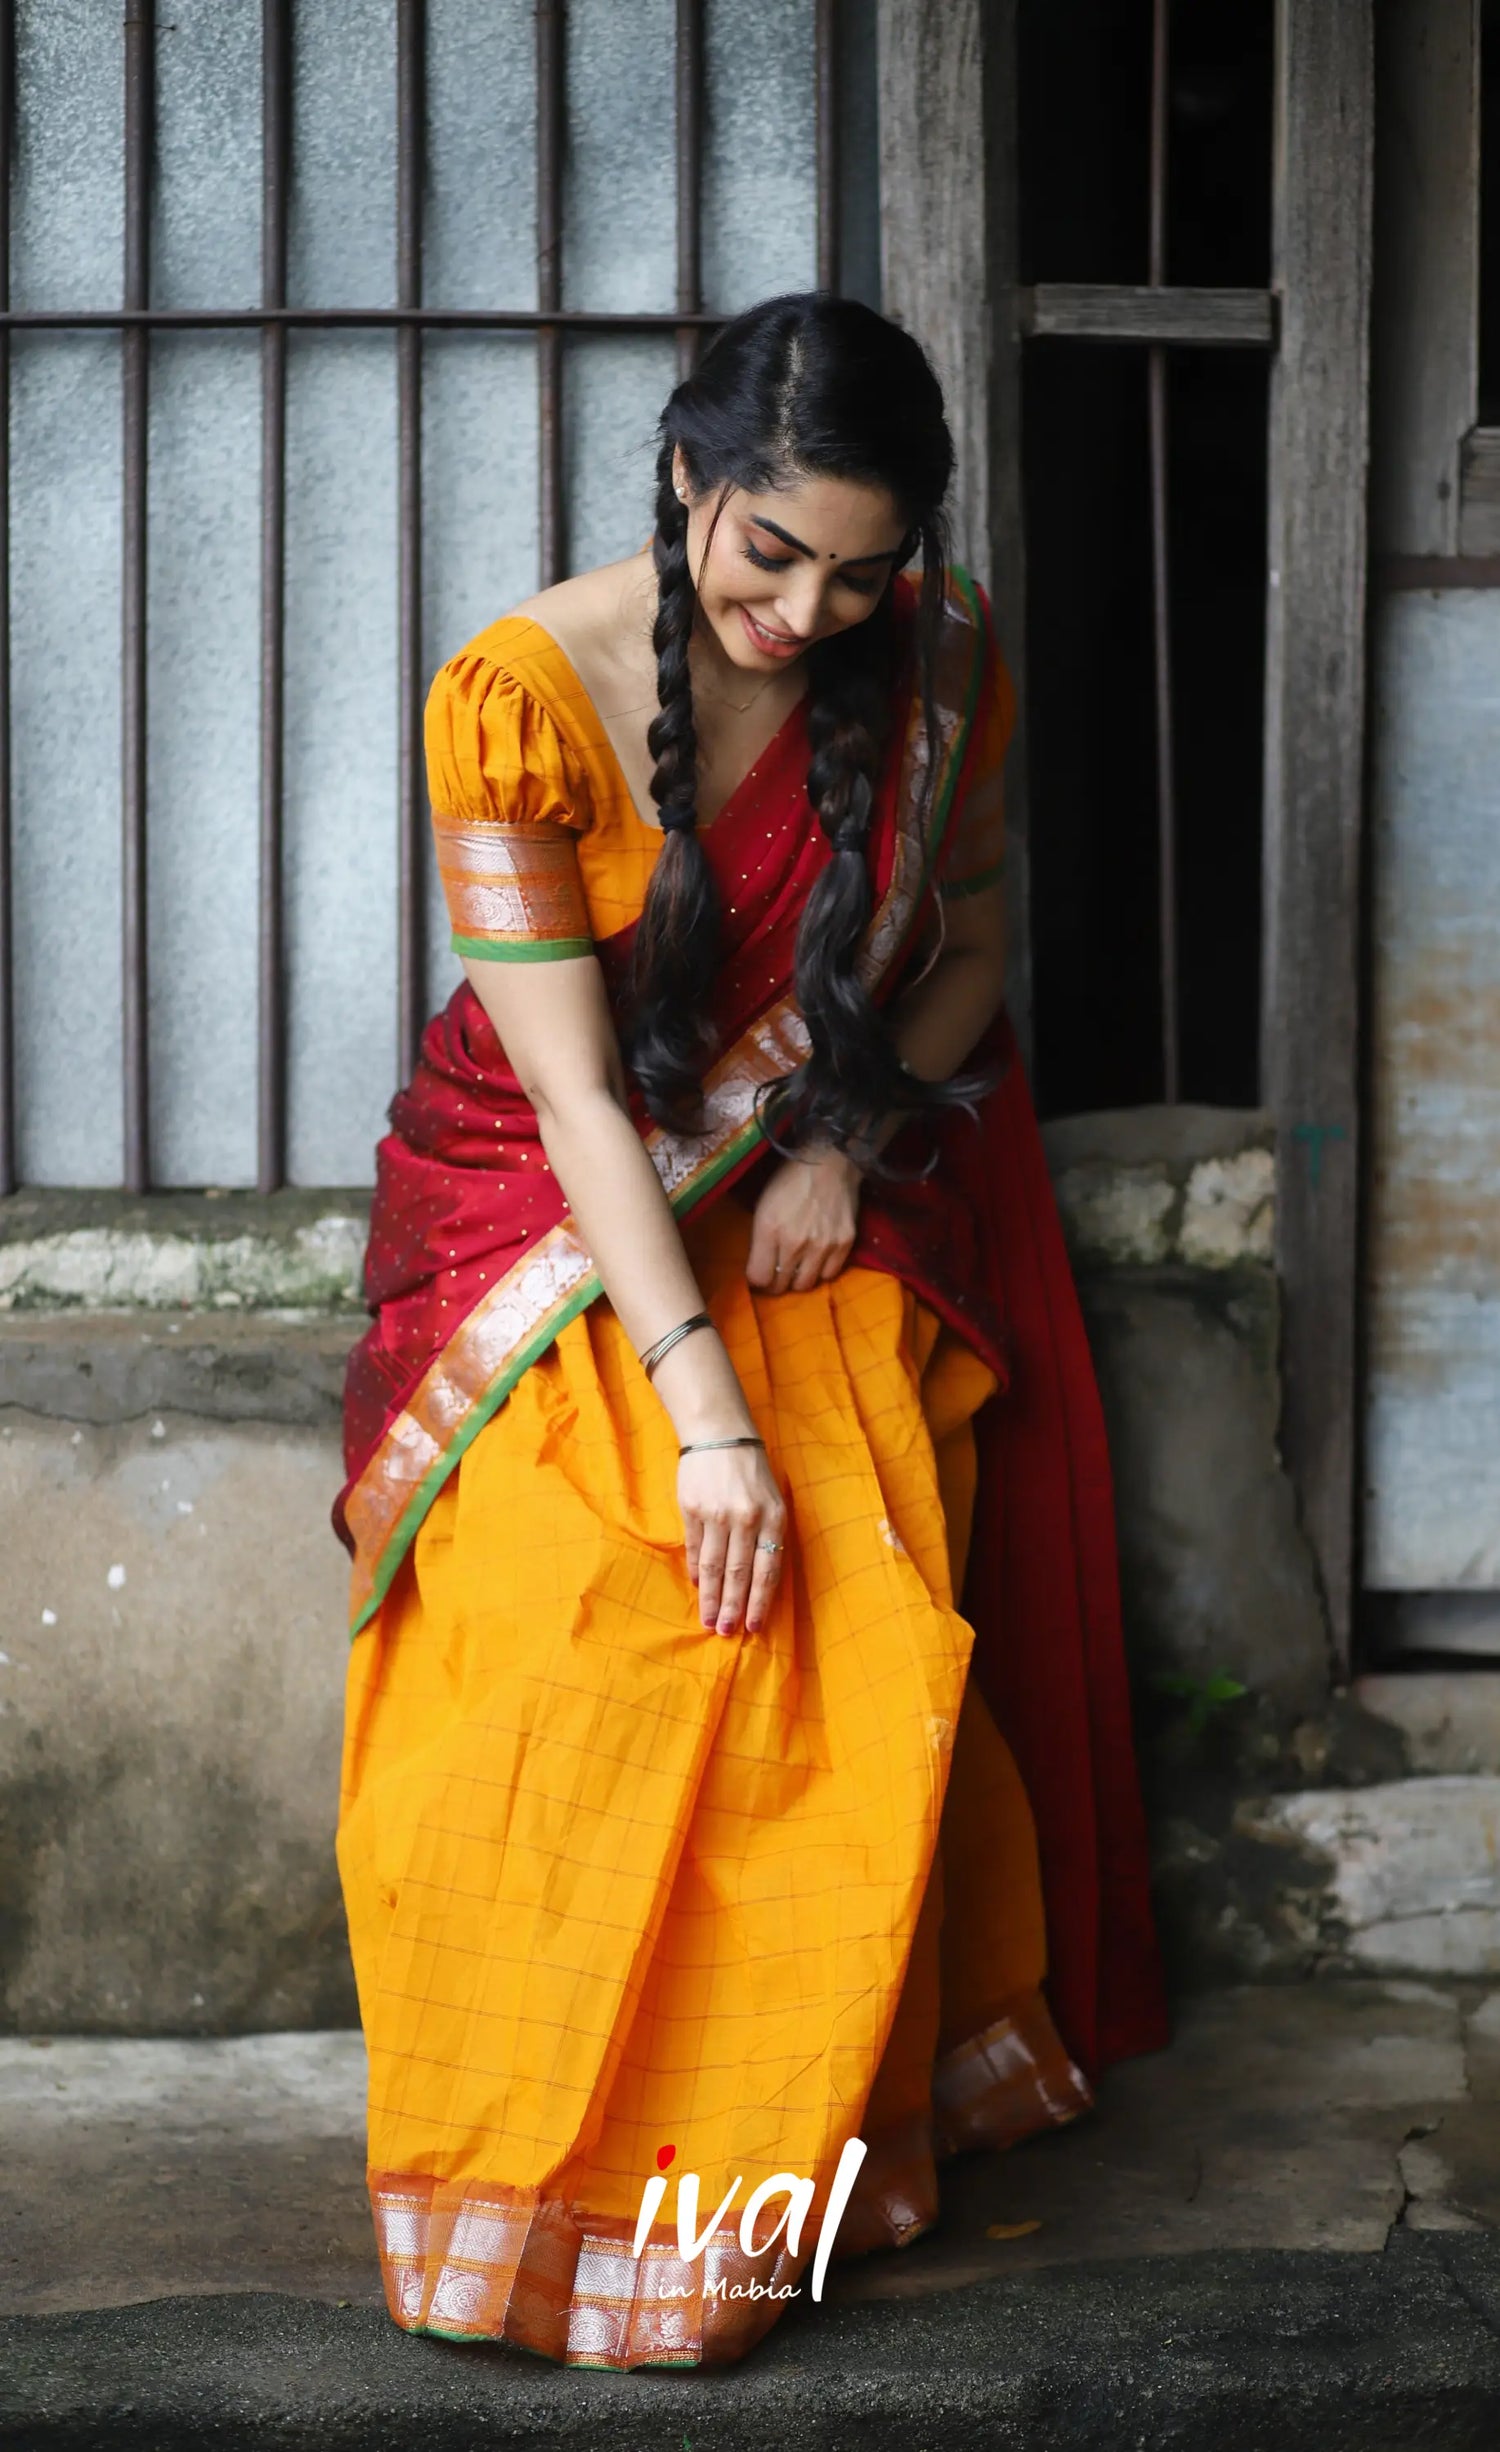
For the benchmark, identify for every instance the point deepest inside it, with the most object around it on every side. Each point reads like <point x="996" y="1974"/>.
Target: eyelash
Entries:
<point x="764" y="561"/>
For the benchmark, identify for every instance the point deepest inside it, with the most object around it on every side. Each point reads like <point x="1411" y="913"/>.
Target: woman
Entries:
<point x="678" y="1842"/>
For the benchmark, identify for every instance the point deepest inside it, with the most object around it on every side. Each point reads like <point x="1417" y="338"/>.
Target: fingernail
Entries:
<point x="726" y="1626"/>
<point x="753" y="1626"/>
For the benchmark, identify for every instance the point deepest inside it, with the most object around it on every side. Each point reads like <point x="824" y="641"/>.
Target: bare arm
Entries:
<point x="554" y="1022"/>
<point x="806" y="1217"/>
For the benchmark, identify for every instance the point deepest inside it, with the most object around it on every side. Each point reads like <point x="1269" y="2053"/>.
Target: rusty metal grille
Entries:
<point x="135" y="318"/>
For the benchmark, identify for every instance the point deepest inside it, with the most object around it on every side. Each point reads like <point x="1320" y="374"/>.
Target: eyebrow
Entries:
<point x="855" y="560"/>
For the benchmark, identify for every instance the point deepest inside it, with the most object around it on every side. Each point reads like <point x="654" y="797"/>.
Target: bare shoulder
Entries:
<point x="601" y="619"/>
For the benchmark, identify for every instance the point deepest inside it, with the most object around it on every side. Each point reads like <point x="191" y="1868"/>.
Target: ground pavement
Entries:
<point x="1282" y="2233"/>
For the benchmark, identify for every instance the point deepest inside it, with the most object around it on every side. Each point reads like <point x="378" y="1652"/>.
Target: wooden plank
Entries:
<point x="1203" y="318"/>
<point x="1479" y="492"/>
<point x="934" y="277"/>
<point x="1425" y="371"/>
<point x="1438" y="573"/>
<point x="1007" y="520"/>
<point x="1318" y="455"/>
<point x="948" y="217"/>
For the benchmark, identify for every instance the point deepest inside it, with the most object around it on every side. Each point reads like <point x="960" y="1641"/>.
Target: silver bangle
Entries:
<point x="653" y="1353"/>
<point x="694" y="1446"/>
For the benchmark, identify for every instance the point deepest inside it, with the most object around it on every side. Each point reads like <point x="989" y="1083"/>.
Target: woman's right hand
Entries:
<point x="730" y="1504"/>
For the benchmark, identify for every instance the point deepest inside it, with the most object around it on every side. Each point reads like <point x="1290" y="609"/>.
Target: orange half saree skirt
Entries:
<point x="628" y="1898"/>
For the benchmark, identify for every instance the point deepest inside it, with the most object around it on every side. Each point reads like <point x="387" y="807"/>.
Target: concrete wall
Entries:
<point x="1169" y="1213"/>
<point x="172" y="1618"/>
<point x="172" y="1615"/>
<point x="1300" y="1827"/>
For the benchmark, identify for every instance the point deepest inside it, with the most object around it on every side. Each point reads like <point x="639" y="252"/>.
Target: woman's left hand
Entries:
<point x="805" y="1222"/>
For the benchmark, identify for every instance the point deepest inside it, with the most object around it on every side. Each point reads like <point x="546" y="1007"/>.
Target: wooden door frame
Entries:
<point x="948" y="213"/>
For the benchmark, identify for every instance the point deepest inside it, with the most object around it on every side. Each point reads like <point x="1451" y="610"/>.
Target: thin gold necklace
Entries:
<point x="716" y="698"/>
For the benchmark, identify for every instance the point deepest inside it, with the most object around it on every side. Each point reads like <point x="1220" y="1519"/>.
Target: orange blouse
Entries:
<point x="541" y="849"/>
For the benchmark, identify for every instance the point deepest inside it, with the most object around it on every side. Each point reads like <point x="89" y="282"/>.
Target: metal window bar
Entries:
<point x="8" y="1153"/>
<point x="826" y="31"/>
<point x="1161" y="600"/>
<point x="139" y="47"/>
<point x="135" y="319"/>
<point x="276" y="130"/>
<point x="412" y="818"/>
<point x="689" y="177"/>
<point x="551" y="106"/>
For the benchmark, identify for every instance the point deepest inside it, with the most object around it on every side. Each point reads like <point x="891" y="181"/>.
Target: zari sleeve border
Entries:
<point x="514" y="893"/>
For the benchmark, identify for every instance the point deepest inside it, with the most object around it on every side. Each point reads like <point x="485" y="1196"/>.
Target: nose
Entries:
<point x="800" y="606"/>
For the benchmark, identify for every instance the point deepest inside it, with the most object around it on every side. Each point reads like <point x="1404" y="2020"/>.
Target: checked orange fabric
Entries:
<point x="615" y="1883"/>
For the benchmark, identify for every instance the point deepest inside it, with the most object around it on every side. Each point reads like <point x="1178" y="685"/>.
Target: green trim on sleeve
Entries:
<point x="522" y="949"/>
<point x="955" y="888"/>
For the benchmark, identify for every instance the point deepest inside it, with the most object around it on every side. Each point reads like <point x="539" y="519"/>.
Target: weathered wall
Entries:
<point x="1300" y="1827"/>
<point x="1169" y="1215"/>
<point x="172" y="1612"/>
<point x="171" y="1657"/>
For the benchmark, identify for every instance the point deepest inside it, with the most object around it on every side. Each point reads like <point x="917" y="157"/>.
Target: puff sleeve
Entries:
<point x="975" y="852"/>
<point x="508" y="806"/>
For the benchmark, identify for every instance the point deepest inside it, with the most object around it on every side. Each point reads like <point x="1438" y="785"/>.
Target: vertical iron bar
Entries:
<point x="826" y="73"/>
<point x="1156" y="408"/>
<point x="689" y="176"/>
<point x="550" y="103"/>
<point x="134" y="347"/>
<point x="270" y="1165"/>
<point x="411" y="824"/>
<point x="9" y="1154"/>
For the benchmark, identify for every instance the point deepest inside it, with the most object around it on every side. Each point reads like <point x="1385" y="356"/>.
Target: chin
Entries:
<point x="730" y="632"/>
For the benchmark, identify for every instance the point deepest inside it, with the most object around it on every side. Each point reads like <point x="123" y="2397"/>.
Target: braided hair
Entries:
<point x="806" y="385"/>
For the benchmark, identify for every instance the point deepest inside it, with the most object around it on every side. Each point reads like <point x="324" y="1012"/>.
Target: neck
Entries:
<point x="718" y="679"/>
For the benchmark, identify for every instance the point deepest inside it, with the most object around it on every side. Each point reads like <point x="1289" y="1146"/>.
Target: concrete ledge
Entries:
<point x="104" y="1366"/>
<point x="1401" y="1878"/>
<point x="1449" y="1718"/>
<point x="101" y="1251"/>
<point x="1147" y="1187"/>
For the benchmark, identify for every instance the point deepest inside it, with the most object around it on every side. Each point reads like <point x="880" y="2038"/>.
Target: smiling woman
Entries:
<point x="715" y="1306"/>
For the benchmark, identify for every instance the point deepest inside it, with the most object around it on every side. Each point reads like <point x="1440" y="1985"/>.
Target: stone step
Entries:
<point x="1283" y="2232"/>
<point x="1237" y="2353"/>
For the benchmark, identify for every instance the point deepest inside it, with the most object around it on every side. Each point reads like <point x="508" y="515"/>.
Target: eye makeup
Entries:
<point x="765" y="561"/>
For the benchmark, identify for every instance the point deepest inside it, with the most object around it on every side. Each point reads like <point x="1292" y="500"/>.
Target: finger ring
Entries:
<point x="770" y="1545"/>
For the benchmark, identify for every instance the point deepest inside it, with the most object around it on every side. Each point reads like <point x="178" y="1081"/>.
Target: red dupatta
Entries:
<point x="474" y="1265"/>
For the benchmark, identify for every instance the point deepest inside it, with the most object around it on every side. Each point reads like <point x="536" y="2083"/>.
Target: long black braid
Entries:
<point x="800" y="386"/>
<point x="677" y="939"/>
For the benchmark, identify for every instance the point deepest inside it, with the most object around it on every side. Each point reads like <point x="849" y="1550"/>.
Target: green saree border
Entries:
<point x="484" y="1408"/>
<point x="739" y="1143"/>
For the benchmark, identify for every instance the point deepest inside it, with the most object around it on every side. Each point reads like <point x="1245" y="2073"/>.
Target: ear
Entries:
<point x="681" y="485"/>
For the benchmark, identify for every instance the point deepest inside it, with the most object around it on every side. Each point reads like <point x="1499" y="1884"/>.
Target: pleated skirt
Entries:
<point x="631" y="1899"/>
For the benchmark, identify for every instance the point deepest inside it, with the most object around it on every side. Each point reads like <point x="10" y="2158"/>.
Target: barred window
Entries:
<point x="299" y="424"/>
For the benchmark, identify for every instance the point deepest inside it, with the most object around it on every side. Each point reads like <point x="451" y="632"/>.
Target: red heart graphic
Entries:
<point x="664" y="2155"/>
